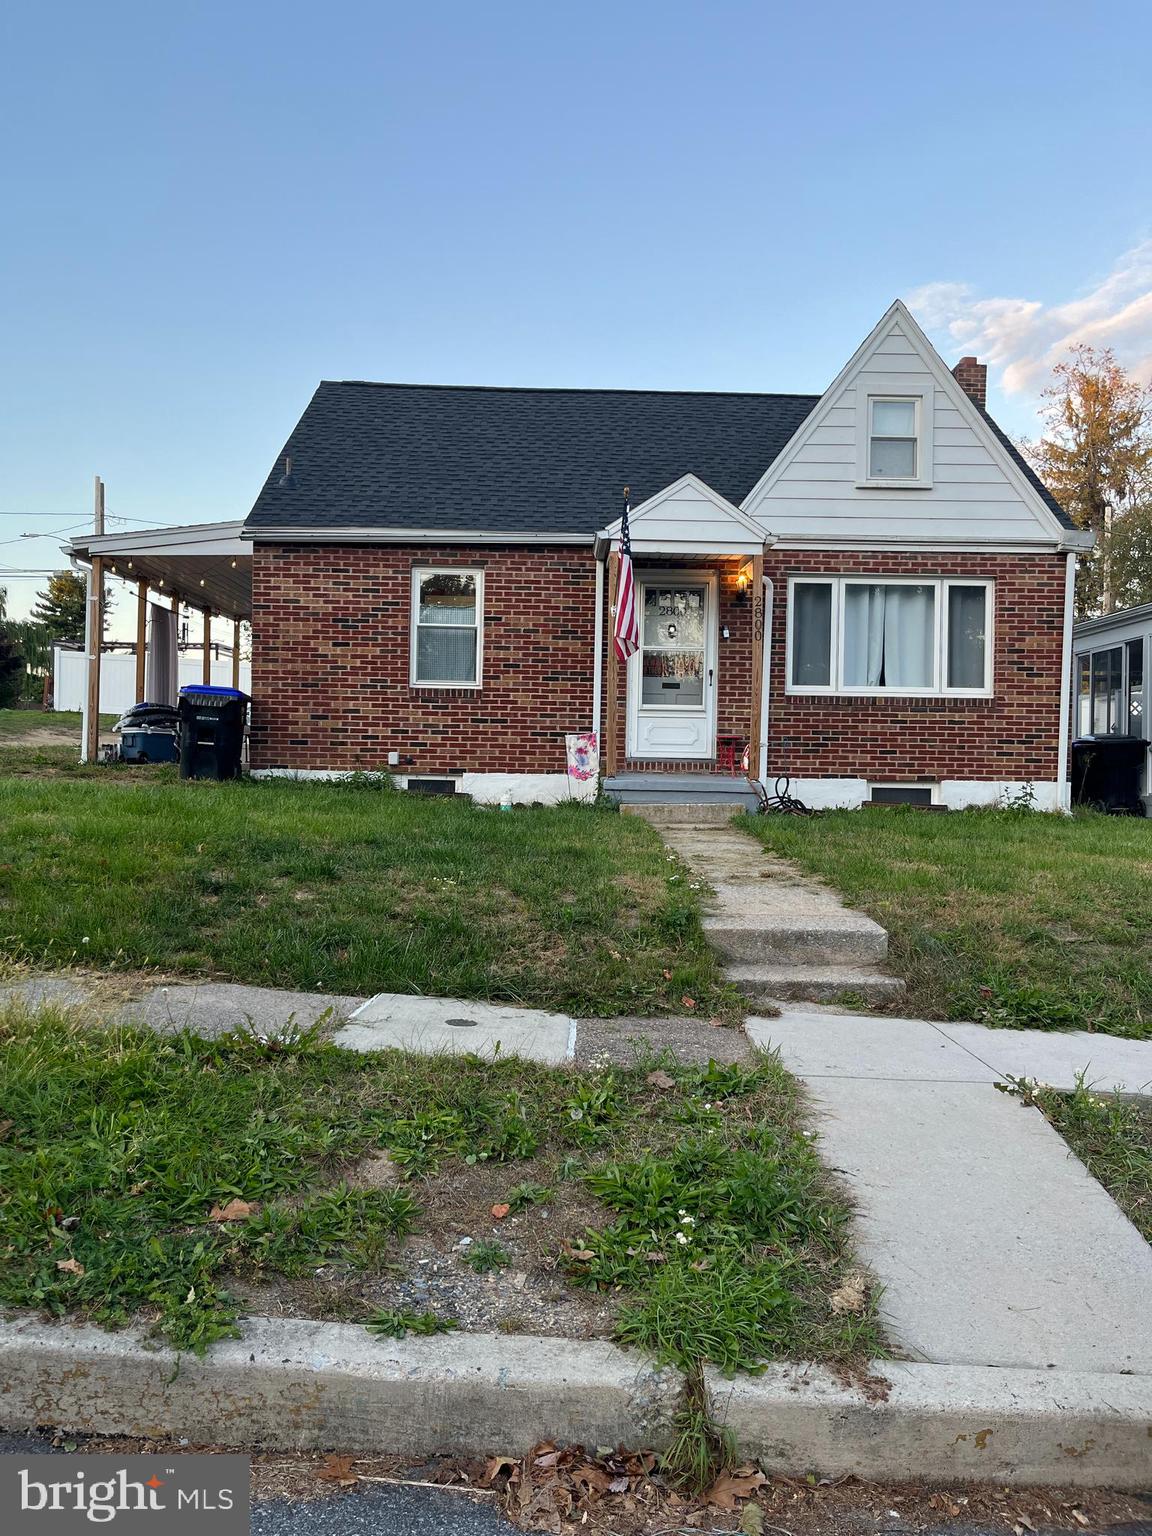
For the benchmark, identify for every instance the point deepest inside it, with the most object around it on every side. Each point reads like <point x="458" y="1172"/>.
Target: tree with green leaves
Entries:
<point x="1095" y="456"/>
<point x="61" y="607"/>
<point x="12" y="667"/>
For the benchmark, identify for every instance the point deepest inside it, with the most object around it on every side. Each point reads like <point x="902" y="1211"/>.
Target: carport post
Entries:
<point x="141" y="636"/>
<point x="206" y="672"/>
<point x="236" y="654"/>
<point x="95" y="628"/>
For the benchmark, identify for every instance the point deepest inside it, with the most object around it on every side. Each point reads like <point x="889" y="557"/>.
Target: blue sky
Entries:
<point x="207" y="208"/>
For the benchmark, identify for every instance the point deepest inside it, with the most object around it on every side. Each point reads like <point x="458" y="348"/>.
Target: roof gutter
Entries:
<point x="407" y="536"/>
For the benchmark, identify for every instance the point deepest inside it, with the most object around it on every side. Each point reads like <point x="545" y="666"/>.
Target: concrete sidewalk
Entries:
<point x="994" y="1244"/>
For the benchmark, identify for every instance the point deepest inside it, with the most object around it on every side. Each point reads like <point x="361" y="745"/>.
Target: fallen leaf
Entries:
<point x="619" y="1485"/>
<point x="752" y="1520"/>
<point x="496" y="1466"/>
<point x="500" y="1211"/>
<point x="730" y="1487"/>
<point x="851" y="1295"/>
<point x="688" y="1002"/>
<point x="235" y="1210"/>
<point x="337" y="1469"/>
<point x="583" y="1254"/>
<point x="1080" y="1517"/>
<point x="660" y="1080"/>
<point x="5" y="1127"/>
<point x="667" y="975"/>
<point x="70" y="1266"/>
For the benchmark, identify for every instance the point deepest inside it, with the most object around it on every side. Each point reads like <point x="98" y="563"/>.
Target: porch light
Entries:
<point x="743" y="582"/>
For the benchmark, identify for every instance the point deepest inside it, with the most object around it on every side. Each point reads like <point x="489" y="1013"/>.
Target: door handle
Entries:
<point x="709" y="677"/>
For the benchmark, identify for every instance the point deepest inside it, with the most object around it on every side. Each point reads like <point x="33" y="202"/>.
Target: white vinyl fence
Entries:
<point x="118" y="678"/>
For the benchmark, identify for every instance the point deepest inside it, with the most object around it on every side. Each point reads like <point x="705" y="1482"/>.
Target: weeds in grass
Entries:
<point x="139" y="1171"/>
<point x="397" y="1324"/>
<point x="528" y="1194"/>
<point x="701" y="1449"/>
<point x="486" y="1256"/>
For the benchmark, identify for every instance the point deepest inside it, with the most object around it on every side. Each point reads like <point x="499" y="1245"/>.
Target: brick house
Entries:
<point x="868" y="591"/>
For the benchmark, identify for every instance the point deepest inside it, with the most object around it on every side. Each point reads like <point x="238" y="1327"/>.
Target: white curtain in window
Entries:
<point x="446" y="652"/>
<point x="909" y="637"/>
<point x="864" y="609"/>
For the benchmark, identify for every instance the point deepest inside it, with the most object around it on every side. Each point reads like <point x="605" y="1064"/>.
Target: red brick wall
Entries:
<point x="1013" y="735"/>
<point x="331" y="649"/>
<point x="331" y="655"/>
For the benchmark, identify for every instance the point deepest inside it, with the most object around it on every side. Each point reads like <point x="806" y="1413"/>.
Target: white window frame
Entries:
<point x="939" y="689"/>
<point x="421" y="573"/>
<point x="894" y="388"/>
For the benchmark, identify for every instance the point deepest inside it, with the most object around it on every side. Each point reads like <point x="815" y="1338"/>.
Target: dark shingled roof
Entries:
<point x="514" y="460"/>
<point x="426" y="456"/>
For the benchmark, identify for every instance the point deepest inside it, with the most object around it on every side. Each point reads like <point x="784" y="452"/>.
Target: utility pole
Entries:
<point x="94" y="635"/>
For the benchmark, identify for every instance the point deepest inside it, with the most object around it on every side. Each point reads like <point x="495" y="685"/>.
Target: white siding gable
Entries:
<point x="690" y="518"/>
<point x="973" y="492"/>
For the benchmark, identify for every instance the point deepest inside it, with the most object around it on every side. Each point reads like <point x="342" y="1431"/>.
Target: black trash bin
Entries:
<point x="1106" y="773"/>
<point x="211" y="731"/>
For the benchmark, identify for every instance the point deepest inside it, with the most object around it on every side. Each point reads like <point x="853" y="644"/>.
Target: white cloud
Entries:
<point x="1023" y="338"/>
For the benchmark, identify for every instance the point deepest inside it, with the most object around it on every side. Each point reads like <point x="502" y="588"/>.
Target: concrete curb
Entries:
<point x="293" y="1384"/>
<point x="947" y="1423"/>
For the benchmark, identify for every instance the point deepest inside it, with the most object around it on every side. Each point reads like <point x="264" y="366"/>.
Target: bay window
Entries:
<point x="849" y="634"/>
<point x="447" y="610"/>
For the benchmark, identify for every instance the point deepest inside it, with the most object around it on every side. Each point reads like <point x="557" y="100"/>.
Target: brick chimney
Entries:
<point x="972" y="378"/>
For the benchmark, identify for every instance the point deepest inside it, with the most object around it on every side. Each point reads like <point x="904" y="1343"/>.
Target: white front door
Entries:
<point x="672" y="677"/>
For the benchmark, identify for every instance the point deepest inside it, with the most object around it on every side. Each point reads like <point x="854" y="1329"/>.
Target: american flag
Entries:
<point x="626" y="630"/>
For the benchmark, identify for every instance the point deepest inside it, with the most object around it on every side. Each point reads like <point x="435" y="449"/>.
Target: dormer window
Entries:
<point x="892" y="439"/>
<point x="894" y="418"/>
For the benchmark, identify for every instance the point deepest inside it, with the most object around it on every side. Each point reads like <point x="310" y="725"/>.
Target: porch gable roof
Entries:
<point x="687" y="517"/>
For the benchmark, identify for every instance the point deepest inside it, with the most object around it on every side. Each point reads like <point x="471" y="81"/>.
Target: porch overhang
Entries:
<point x="204" y="565"/>
<point x="687" y="518"/>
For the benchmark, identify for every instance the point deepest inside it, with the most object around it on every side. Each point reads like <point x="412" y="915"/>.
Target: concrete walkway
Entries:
<point x="784" y="934"/>
<point x="994" y="1244"/>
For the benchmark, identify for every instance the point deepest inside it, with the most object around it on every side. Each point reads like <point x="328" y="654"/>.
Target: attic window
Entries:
<point x="894" y="421"/>
<point x="892" y="441"/>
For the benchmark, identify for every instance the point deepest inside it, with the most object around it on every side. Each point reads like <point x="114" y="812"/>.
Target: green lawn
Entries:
<point x="351" y="889"/>
<point x="699" y="1195"/>
<point x="1006" y="917"/>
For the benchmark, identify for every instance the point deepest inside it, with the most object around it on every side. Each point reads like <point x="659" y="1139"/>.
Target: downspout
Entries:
<point x="765" y="681"/>
<point x="1063" y="787"/>
<point x="598" y="655"/>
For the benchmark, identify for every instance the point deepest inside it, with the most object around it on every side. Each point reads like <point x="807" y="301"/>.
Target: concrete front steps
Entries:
<point x="692" y="791"/>
<point x="785" y="936"/>
<point x="816" y="984"/>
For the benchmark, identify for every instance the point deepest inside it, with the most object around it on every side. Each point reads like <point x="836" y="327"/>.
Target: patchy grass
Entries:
<point x="15" y="723"/>
<point x="353" y="889"/>
<point x="140" y="1173"/>
<point x="1111" y="1136"/>
<point x="42" y="743"/>
<point x="1007" y="917"/>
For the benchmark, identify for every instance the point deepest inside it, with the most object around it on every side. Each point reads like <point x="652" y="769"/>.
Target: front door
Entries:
<point x="672" y="677"/>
